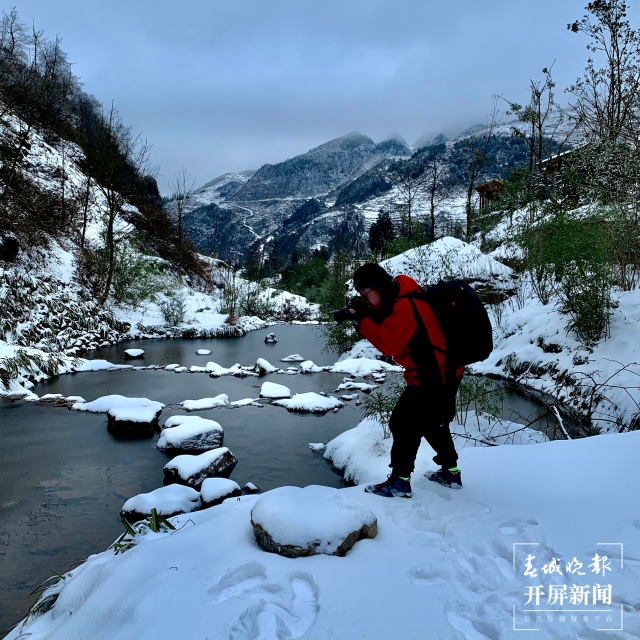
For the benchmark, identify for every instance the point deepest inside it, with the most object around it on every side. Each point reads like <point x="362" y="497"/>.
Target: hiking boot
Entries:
<point x="451" y="479"/>
<point x="392" y="487"/>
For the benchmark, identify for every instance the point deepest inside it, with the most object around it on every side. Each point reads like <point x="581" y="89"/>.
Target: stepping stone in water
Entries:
<point x="192" y="470"/>
<point x="216" y="490"/>
<point x="167" y="501"/>
<point x="274" y="391"/>
<point x="190" y="433"/>
<point x="131" y="354"/>
<point x="310" y="402"/>
<point x="296" y="357"/>
<point x="133" y="420"/>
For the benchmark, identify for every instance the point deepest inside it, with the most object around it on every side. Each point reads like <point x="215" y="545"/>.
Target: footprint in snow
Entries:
<point x="285" y="611"/>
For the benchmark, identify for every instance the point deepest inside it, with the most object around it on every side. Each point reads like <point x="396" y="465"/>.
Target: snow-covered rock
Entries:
<point x="316" y="446"/>
<point x="131" y="354"/>
<point x="308" y="366"/>
<point x="203" y="352"/>
<point x="349" y="396"/>
<point x="220" y="400"/>
<point x="104" y="403"/>
<point x="191" y="433"/>
<point x="350" y="385"/>
<point x="263" y="367"/>
<point x="270" y="338"/>
<point x="294" y="522"/>
<point x="171" y="367"/>
<point x="296" y="357"/>
<point x="448" y="258"/>
<point x="249" y="487"/>
<point x="133" y="420"/>
<point x="192" y="470"/>
<point x="310" y="402"/>
<point x="167" y="501"/>
<point x="216" y="490"/>
<point x="274" y="391"/>
<point x="243" y="402"/>
<point x="362" y="367"/>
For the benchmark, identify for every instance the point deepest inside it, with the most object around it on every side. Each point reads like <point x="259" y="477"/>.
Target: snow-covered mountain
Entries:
<point x="300" y="201"/>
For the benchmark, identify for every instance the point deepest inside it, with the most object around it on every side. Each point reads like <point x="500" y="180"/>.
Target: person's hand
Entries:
<point x="358" y="309"/>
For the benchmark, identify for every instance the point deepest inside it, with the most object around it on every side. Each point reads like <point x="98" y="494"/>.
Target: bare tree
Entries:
<point x="181" y="191"/>
<point x="410" y="180"/>
<point x="607" y="101"/>
<point x="116" y="159"/>
<point x="36" y="82"/>
<point x="542" y="121"/>
<point x="437" y="184"/>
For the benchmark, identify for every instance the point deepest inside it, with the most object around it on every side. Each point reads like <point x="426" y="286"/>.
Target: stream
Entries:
<point x="64" y="477"/>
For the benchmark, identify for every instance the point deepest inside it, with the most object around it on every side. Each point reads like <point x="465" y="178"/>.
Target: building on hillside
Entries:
<point x="488" y="191"/>
<point x="552" y="165"/>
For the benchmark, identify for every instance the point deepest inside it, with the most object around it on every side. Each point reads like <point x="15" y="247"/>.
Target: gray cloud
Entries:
<point x="222" y="86"/>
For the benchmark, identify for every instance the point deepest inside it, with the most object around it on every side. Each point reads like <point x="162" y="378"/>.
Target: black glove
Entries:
<point x="358" y="309"/>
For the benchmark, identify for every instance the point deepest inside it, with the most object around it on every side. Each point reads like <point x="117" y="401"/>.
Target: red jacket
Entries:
<point x="393" y="335"/>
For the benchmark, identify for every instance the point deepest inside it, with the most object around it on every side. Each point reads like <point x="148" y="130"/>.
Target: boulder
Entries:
<point x="133" y="420"/>
<point x="270" y="338"/>
<point x="191" y="470"/>
<point x="296" y="357"/>
<point x="310" y="402"/>
<point x="294" y="522"/>
<point x="220" y="400"/>
<point x="216" y="490"/>
<point x="203" y="352"/>
<point x="167" y="501"/>
<point x="251" y="488"/>
<point x="274" y="391"/>
<point x="263" y="367"/>
<point x="132" y="354"/>
<point x="190" y="433"/>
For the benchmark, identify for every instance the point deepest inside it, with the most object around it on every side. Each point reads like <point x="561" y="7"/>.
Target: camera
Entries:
<point x="340" y="315"/>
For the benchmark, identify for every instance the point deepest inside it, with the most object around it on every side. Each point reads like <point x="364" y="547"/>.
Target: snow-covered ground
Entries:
<point x="444" y="564"/>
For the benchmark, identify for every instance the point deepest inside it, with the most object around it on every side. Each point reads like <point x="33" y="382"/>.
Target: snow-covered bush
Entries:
<point x="173" y="306"/>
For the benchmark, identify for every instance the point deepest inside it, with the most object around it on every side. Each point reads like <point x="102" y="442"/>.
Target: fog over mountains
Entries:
<point x="301" y="201"/>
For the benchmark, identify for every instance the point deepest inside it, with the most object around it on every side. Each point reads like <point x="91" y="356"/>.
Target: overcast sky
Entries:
<point x="228" y="85"/>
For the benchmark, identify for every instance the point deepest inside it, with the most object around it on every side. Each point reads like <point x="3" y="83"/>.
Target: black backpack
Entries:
<point x="463" y="320"/>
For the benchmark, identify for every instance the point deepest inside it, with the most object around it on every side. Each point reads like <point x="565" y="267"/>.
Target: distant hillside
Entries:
<point x="318" y="171"/>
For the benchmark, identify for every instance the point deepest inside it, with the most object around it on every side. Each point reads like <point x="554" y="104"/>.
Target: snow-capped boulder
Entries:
<point x="296" y="357"/>
<point x="251" y="488"/>
<point x="263" y="367"/>
<point x="308" y="366"/>
<point x="105" y="403"/>
<point x="350" y="385"/>
<point x="363" y="367"/>
<point x="310" y="402"/>
<point x="270" y="338"/>
<point x="140" y="420"/>
<point x="167" y="501"/>
<point x="220" y="400"/>
<point x="203" y="352"/>
<point x="132" y="354"/>
<point x="294" y="522"/>
<point x="274" y="391"/>
<point x="216" y="490"/>
<point x="191" y="433"/>
<point x="192" y="470"/>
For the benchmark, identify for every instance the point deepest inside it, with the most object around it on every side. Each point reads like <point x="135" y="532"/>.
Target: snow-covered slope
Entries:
<point x="444" y="564"/>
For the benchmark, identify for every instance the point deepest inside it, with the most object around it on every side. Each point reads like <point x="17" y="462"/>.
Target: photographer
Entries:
<point x="392" y="316"/>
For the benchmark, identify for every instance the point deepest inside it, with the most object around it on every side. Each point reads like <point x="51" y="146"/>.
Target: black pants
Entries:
<point x="413" y="418"/>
